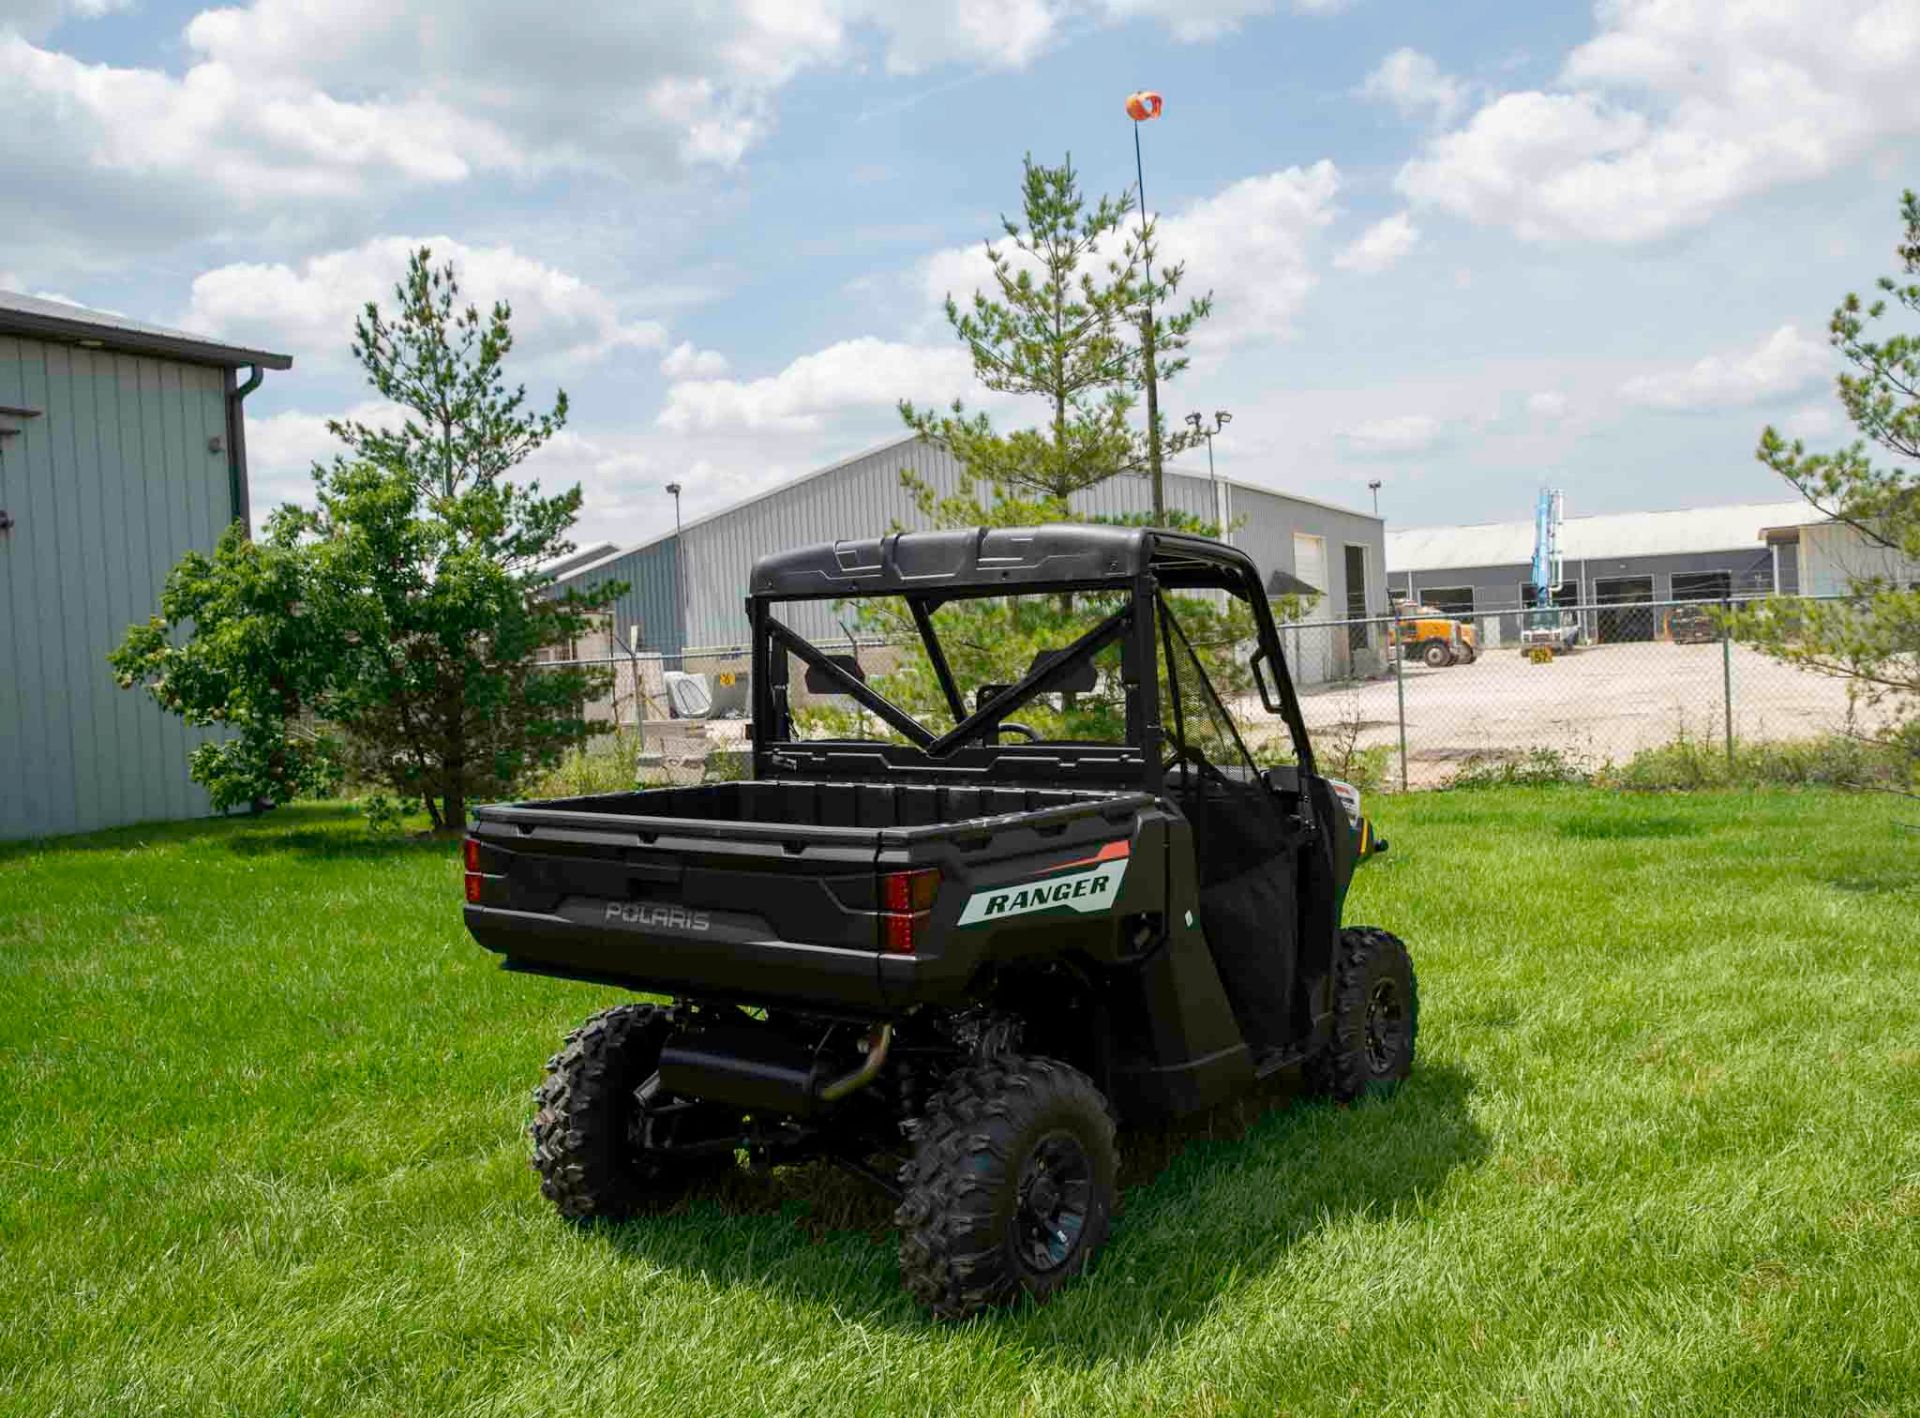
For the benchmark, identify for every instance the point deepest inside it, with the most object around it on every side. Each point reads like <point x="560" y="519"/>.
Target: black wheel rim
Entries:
<point x="1053" y="1202"/>
<point x="1386" y="1025"/>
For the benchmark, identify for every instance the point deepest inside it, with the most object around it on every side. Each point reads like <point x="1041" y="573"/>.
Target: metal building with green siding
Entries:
<point x="122" y="447"/>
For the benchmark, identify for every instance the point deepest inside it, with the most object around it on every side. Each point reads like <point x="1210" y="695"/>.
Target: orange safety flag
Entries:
<point x="1143" y="105"/>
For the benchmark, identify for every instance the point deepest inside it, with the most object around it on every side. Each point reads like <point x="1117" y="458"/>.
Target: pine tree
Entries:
<point x="1061" y="327"/>
<point x="1871" y="638"/>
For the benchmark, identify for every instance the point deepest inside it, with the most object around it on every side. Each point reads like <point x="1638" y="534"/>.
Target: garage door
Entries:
<point x="1625" y="609"/>
<point x="1312" y="649"/>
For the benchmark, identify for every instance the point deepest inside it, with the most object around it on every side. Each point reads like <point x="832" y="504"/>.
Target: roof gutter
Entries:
<point x="237" y="444"/>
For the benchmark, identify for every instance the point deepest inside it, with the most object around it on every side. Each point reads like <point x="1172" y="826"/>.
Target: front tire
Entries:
<point x="1376" y="1015"/>
<point x="1437" y="655"/>
<point x="1010" y="1189"/>
<point x="591" y="1128"/>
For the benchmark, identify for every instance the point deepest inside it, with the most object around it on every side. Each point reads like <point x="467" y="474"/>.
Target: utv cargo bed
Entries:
<point x="770" y="891"/>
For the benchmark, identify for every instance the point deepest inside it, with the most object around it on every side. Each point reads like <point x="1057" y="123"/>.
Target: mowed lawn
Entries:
<point x="261" y="1153"/>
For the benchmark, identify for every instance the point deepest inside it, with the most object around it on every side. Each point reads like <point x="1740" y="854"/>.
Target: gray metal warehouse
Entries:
<point x="686" y="589"/>
<point x="1621" y="563"/>
<point x="122" y="447"/>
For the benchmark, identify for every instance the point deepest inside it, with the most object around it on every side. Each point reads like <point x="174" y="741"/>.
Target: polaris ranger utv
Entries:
<point x="950" y="958"/>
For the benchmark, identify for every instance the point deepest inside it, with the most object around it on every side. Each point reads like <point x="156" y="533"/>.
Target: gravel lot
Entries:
<point x="1600" y="702"/>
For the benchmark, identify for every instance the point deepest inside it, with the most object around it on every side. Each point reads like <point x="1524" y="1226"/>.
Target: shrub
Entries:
<point x="1828" y="760"/>
<point x="605" y="766"/>
<point x="1533" y="768"/>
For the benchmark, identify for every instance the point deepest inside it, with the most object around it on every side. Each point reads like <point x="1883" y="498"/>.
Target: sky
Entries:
<point x="1464" y="250"/>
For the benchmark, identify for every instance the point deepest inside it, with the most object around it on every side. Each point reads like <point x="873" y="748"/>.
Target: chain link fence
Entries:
<point x="1410" y="700"/>
<point x="1615" y="679"/>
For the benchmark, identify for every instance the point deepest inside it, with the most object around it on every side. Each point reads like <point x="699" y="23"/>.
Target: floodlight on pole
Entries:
<point x="1374" y="488"/>
<point x="1198" y="423"/>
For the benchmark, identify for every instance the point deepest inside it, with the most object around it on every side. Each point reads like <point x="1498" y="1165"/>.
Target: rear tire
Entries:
<point x="588" y="1121"/>
<point x="1376" y="1016"/>
<point x="1010" y="1189"/>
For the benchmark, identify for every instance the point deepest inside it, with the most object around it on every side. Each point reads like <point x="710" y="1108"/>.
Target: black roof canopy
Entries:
<point x="992" y="560"/>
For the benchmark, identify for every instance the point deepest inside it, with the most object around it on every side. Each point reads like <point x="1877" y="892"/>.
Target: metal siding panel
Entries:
<point x="58" y="803"/>
<point x="123" y="706"/>
<point x="159" y="458"/>
<point x="144" y="496"/>
<point x="23" y="756"/>
<point x="96" y="803"/>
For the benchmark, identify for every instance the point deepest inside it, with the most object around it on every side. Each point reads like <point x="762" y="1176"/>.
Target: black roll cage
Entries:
<point x="1141" y="563"/>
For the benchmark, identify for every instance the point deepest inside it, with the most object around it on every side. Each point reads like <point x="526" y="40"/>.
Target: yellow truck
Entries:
<point x="1433" y="636"/>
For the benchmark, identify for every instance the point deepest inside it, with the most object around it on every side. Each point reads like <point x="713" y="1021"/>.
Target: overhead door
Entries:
<point x="1311" y="647"/>
<point x="1625" y="609"/>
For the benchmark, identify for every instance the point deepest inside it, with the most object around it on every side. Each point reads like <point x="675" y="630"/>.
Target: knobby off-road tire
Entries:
<point x="1376" y="1014"/>
<point x="590" y="1162"/>
<point x="1010" y="1188"/>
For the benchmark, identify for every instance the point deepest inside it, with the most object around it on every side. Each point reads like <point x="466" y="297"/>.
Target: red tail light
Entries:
<point x="906" y="904"/>
<point x="470" y="856"/>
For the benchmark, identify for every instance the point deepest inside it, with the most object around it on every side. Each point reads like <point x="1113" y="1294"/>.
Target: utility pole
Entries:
<point x="1142" y="106"/>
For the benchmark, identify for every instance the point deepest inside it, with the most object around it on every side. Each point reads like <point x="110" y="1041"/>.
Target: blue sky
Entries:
<point x="1464" y="249"/>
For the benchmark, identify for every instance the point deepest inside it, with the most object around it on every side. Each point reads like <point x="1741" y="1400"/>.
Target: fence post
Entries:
<point x="1726" y="672"/>
<point x="1399" y="640"/>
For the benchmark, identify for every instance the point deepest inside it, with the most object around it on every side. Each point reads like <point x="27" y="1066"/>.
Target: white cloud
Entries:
<point x="1251" y="244"/>
<point x="1400" y="433"/>
<point x="1548" y="404"/>
<point x="124" y="160"/>
<point x="282" y="449"/>
<point x="33" y="18"/>
<point x="1674" y="111"/>
<point x="1812" y="421"/>
<point x="863" y="373"/>
<point x="1415" y="85"/>
<point x="1000" y="33"/>
<point x="683" y="361"/>
<point x="616" y="475"/>
<point x="288" y="112"/>
<point x="308" y="309"/>
<point x="1783" y="363"/>
<point x="1193" y="21"/>
<point x="1380" y="246"/>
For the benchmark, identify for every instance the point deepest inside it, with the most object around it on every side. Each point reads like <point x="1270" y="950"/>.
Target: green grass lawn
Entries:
<point x="1661" y="1154"/>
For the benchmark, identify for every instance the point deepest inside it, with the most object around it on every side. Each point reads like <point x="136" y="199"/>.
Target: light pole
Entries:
<point x="1221" y="418"/>
<point x="680" y="565"/>
<point x="1374" y="488"/>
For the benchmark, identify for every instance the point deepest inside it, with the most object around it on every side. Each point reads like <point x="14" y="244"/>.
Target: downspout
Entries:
<point x="237" y="444"/>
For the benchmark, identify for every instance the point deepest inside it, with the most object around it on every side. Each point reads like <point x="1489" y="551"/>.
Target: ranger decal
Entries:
<point x="1091" y="884"/>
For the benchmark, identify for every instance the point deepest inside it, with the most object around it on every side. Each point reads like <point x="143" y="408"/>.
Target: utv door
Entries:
<point x="1247" y="836"/>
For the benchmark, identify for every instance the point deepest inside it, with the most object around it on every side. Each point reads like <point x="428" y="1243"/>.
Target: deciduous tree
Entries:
<point x="392" y="629"/>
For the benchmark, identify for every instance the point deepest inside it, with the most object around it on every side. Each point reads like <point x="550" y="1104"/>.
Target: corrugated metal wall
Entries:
<point x="651" y="602"/>
<point x="107" y="487"/>
<point x="862" y="497"/>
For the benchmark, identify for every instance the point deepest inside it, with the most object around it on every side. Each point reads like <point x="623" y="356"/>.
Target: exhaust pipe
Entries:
<point x="878" y="1043"/>
<point x="756" y="1070"/>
